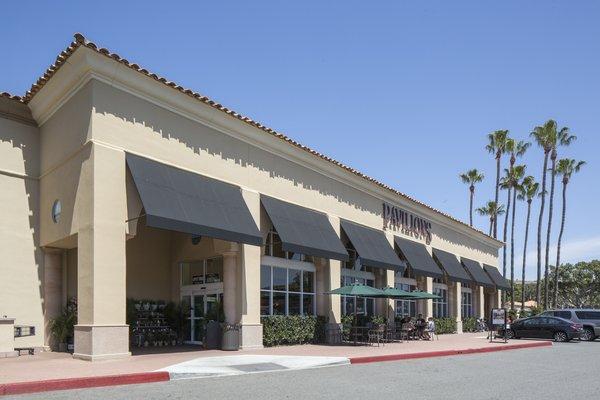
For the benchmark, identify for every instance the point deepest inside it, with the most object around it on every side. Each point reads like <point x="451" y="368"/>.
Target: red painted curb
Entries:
<point x="444" y="353"/>
<point x="80" y="383"/>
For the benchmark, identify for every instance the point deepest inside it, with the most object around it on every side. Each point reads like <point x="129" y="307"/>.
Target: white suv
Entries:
<point x="589" y="318"/>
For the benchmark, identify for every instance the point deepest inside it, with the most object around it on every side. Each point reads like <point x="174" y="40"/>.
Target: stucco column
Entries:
<point x="455" y="304"/>
<point x="101" y="332"/>
<point x="230" y="287"/>
<point x="425" y="307"/>
<point x="251" y="331"/>
<point x="498" y="299"/>
<point x="53" y="290"/>
<point x="480" y="301"/>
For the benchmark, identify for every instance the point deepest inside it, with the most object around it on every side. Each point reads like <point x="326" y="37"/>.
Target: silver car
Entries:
<point x="589" y="318"/>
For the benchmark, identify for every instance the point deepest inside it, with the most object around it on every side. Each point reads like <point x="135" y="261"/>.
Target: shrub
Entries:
<point x="469" y="324"/>
<point x="445" y="325"/>
<point x="292" y="329"/>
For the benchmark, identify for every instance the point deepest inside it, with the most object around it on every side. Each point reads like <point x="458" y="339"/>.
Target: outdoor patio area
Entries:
<point x="50" y="365"/>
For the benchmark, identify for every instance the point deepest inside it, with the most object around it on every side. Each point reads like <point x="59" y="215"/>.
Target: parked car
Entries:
<point x="589" y="318"/>
<point x="542" y="327"/>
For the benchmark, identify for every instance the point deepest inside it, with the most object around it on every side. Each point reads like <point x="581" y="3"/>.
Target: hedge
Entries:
<point x="469" y="324"/>
<point x="292" y="329"/>
<point x="445" y="325"/>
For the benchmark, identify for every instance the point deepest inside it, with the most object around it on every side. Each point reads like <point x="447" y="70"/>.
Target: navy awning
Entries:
<point x="372" y="246"/>
<point x="303" y="230"/>
<point x="452" y="266"/>
<point x="182" y="201"/>
<point x="478" y="274"/>
<point x="496" y="276"/>
<point x="419" y="259"/>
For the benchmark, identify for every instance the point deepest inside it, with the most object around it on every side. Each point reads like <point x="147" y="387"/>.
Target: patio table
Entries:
<point x="358" y="331"/>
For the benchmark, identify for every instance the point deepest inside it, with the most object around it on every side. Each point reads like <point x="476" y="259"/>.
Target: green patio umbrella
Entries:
<point x="393" y="293"/>
<point x="358" y="290"/>
<point x="418" y="295"/>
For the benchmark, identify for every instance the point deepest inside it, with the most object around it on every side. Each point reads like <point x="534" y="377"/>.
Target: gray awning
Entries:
<point x="418" y="258"/>
<point x="303" y="230"/>
<point x="372" y="246"/>
<point x="478" y="274"/>
<point x="497" y="278"/>
<point x="182" y="201"/>
<point x="452" y="266"/>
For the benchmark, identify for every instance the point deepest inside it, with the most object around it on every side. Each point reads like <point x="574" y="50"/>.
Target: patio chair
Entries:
<point x="377" y="335"/>
<point x="405" y="331"/>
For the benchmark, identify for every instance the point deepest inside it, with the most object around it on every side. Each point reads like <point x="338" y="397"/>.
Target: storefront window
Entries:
<point x="202" y="272"/>
<point x="406" y="307"/>
<point x="440" y="306"/>
<point x="364" y="306"/>
<point x="286" y="291"/>
<point x="274" y="248"/>
<point x="467" y="303"/>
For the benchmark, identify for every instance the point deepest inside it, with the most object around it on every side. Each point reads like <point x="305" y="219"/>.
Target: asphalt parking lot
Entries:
<point x="565" y="370"/>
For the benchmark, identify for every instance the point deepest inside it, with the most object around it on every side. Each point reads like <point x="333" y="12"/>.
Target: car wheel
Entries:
<point x="560" y="337"/>
<point x="510" y="334"/>
<point x="588" y="334"/>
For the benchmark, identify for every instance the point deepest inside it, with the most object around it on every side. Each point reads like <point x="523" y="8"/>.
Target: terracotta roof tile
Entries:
<point x="7" y="95"/>
<point x="80" y="40"/>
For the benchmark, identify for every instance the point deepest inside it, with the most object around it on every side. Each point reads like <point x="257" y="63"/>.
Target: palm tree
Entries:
<point x="516" y="176"/>
<point x="566" y="167"/>
<point x="543" y="137"/>
<point x="471" y="177"/>
<point x="527" y="191"/>
<point x="497" y="146"/>
<point x="512" y="176"/>
<point x="492" y="211"/>
<point x="562" y="138"/>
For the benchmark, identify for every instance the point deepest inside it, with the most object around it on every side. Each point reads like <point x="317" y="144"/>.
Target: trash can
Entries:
<point x="231" y="337"/>
<point x="213" y="335"/>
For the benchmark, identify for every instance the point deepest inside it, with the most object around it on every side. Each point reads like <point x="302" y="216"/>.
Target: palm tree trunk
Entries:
<point x="472" y="189"/>
<point x="504" y="235"/>
<point x="550" y="209"/>
<point x="538" y="288"/>
<point x="562" y="228"/>
<point x="525" y="255"/>
<point x="491" y="225"/>
<point x="497" y="193"/>
<point x="512" y="251"/>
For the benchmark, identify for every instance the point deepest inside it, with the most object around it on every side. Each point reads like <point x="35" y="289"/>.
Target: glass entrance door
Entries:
<point x="199" y="308"/>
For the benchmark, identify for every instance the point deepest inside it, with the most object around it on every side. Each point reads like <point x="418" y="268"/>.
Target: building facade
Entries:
<point x="118" y="184"/>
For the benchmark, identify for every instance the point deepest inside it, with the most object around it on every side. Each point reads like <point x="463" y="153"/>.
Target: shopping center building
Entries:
<point x="118" y="184"/>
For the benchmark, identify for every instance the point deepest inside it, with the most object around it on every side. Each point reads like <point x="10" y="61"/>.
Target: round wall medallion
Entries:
<point x="56" y="210"/>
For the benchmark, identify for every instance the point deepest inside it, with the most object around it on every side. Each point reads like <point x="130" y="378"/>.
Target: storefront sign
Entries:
<point x="407" y="223"/>
<point x="197" y="279"/>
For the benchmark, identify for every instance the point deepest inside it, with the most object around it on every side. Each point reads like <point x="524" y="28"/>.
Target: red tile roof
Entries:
<point x="11" y="97"/>
<point x="80" y="40"/>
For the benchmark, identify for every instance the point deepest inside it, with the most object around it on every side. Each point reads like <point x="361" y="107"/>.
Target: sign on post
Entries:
<point x="498" y="319"/>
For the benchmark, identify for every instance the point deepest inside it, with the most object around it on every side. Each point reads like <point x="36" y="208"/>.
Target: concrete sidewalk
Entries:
<point x="189" y="361"/>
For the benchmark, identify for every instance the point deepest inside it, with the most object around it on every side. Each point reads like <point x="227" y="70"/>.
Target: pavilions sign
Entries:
<point x="405" y="222"/>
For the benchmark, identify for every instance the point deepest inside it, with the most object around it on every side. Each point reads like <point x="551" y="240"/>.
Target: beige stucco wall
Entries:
<point x="21" y="260"/>
<point x="135" y="125"/>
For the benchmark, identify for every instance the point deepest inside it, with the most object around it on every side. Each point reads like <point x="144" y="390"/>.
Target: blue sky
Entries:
<point x="403" y="91"/>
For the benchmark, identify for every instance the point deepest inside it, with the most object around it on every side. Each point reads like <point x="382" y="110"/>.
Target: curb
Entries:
<point x="445" y="353"/>
<point x="81" y="383"/>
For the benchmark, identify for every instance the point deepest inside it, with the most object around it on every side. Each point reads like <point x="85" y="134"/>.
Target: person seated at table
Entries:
<point x="421" y="324"/>
<point x="429" y="329"/>
<point x="407" y="325"/>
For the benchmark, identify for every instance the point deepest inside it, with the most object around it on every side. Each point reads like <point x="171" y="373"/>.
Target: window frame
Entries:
<point x="303" y="270"/>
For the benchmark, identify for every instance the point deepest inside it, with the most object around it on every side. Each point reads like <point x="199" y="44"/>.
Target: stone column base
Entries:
<point x="251" y="336"/>
<point x="101" y="342"/>
<point x="459" y="327"/>
<point x="333" y="333"/>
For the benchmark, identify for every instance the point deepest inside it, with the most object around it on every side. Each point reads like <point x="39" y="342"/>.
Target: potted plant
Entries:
<point x="63" y="326"/>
